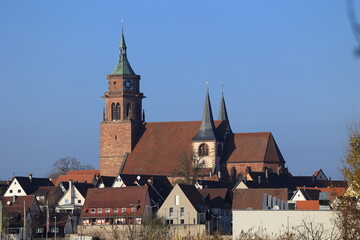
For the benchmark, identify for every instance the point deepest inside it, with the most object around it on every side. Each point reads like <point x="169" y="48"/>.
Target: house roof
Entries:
<point x="161" y="146"/>
<point x="310" y="181"/>
<point x="253" y="198"/>
<point x="30" y="185"/>
<point x="310" y="194"/>
<point x="115" y="198"/>
<point x="251" y="147"/>
<point x="334" y="191"/>
<point x="16" y="207"/>
<point x="84" y="172"/>
<point x="81" y="187"/>
<point x="45" y="191"/>
<point x="39" y="219"/>
<point x="216" y="197"/>
<point x="194" y="196"/>
<point x="107" y="180"/>
<point x="203" y="184"/>
<point x="81" y="178"/>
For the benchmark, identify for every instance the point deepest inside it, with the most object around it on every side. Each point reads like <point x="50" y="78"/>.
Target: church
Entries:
<point x="130" y="145"/>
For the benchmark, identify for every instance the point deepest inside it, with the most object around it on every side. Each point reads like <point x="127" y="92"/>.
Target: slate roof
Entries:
<point x="194" y="197"/>
<point x="310" y="181"/>
<point x="310" y="194"/>
<point x="334" y="191"/>
<point x="33" y="184"/>
<point x="250" y="148"/>
<point x="159" y="185"/>
<point x="162" y="144"/>
<point x="107" y="180"/>
<point x="45" y="191"/>
<point x="115" y="198"/>
<point x="253" y="198"/>
<point x="217" y="197"/>
<point x="215" y="184"/>
<point x="81" y="187"/>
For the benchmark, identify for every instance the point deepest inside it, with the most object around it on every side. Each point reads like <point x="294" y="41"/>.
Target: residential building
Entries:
<point x="117" y="206"/>
<point x="23" y="186"/>
<point x="184" y="205"/>
<point x="74" y="196"/>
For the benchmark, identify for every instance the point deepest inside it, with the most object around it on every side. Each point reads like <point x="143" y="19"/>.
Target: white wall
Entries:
<point x="15" y="189"/>
<point x="269" y="222"/>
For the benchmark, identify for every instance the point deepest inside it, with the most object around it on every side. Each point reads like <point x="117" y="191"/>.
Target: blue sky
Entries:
<point x="286" y="66"/>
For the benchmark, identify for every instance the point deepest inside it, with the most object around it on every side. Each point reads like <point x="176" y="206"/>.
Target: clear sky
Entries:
<point x="287" y="67"/>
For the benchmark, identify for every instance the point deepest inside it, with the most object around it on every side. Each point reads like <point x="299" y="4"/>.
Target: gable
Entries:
<point x="183" y="200"/>
<point x="14" y="189"/>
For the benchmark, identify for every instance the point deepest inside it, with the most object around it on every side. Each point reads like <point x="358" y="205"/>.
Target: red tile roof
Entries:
<point x="161" y="146"/>
<point x="251" y="147"/>
<point x="115" y="198"/>
<point x="81" y="178"/>
<point x="83" y="172"/>
<point x="253" y="198"/>
<point x="17" y="207"/>
<point x="334" y="191"/>
<point x="308" y="205"/>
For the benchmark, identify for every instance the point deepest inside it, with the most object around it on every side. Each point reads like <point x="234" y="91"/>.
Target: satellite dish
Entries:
<point x="138" y="177"/>
<point x="8" y="202"/>
<point x="276" y="207"/>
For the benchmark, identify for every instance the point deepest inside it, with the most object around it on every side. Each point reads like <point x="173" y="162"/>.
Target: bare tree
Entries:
<point x="64" y="164"/>
<point x="189" y="168"/>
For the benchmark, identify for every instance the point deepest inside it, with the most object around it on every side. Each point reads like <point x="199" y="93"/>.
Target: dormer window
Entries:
<point x="203" y="150"/>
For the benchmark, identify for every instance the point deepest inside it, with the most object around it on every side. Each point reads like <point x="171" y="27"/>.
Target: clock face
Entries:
<point x="128" y="84"/>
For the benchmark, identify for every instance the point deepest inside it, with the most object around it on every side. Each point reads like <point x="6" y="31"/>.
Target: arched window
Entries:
<point x="203" y="150"/>
<point x="117" y="109"/>
<point x="219" y="150"/>
<point x="128" y="111"/>
<point x="113" y="112"/>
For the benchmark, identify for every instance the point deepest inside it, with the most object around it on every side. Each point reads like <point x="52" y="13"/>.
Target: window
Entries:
<point x="115" y="210"/>
<point x="169" y="221"/>
<point x="182" y="212"/>
<point x="171" y="212"/>
<point x="40" y="230"/>
<point x="99" y="210"/>
<point x="93" y="210"/>
<point x="177" y="200"/>
<point x="123" y="210"/>
<point x="203" y="150"/>
<point x="107" y="210"/>
<point x="128" y="111"/>
<point x="115" y="111"/>
<point x="53" y="229"/>
<point x="133" y="209"/>
<point x="19" y="190"/>
<point x="79" y="201"/>
<point x="11" y="191"/>
<point x="182" y="221"/>
<point x="66" y="200"/>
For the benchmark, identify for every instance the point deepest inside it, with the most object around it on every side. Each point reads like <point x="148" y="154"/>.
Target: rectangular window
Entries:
<point x="115" y="210"/>
<point x="40" y="230"/>
<point x="11" y="191"/>
<point x="66" y="200"/>
<point x="19" y="190"/>
<point x="99" y="210"/>
<point x="107" y="210"/>
<point x="93" y="210"/>
<point x="182" y="211"/>
<point x="182" y="221"/>
<point x="133" y="209"/>
<point x="53" y="229"/>
<point x="171" y="212"/>
<point x="177" y="200"/>
<point x="79" y="201"/>
<point x="123" y="210"/>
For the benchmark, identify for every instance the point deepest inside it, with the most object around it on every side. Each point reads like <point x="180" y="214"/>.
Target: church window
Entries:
<point x="115" y="111"/>
<point x="128" y="111"/>
<point x="203" y="150"/>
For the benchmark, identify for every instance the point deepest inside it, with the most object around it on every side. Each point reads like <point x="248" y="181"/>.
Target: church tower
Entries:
<point x="122" y="115"/>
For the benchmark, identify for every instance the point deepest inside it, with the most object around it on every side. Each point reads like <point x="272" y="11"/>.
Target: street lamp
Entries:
<point x="55" y="228"/>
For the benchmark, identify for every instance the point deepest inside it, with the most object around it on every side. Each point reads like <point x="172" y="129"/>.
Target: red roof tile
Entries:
<point x="161" y="146"/>
<point x="115" y="198"/>
<point x="251" y="147"/>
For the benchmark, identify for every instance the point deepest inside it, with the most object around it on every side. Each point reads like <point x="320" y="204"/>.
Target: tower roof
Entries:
<point x="207" y="128"/>
<point x="223" y="112"/>
<point x="123" y="67"/>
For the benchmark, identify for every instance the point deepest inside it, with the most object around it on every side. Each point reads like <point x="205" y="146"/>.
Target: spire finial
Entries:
<point x="222" y="89"/>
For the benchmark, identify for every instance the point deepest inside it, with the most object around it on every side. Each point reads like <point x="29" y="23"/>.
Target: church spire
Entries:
<point x="223" y="116"/>
<point x="223" y="113"/>
<point x="207" y="129"/>
<point x="123" y="67"/>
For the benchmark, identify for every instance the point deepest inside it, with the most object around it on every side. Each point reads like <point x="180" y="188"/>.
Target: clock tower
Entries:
<point x="122" y="115"/>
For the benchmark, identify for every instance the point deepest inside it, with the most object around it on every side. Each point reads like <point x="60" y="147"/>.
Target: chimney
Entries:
<point x="30" y="177"/>
<point x="259" y="179"/>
